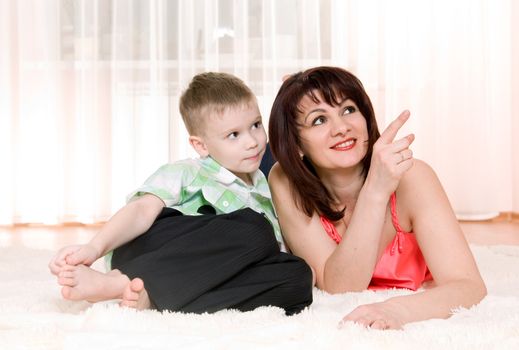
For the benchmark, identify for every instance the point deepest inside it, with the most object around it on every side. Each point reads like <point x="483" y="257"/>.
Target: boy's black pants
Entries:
<point x="210" y="262"/>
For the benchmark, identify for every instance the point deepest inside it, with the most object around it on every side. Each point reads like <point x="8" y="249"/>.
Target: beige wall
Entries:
<point x="515" y="101"/>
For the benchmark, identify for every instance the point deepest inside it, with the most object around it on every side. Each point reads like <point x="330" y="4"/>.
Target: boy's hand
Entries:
<point x="83" y="254"/>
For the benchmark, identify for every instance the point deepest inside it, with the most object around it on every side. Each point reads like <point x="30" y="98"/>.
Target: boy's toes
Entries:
<point x="137" y="285"/>
<point x="71" y="293"/>
<point x="135" y="295"/>
<point x="66" y="292"/>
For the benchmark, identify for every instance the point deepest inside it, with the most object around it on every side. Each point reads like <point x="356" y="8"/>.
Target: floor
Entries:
<point x="502" y="230"/>
<point x="46" y="237"/>
<point x="498" y="231"/>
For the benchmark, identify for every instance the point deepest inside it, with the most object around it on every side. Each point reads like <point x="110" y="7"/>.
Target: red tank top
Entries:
<point x="402" y="264"/>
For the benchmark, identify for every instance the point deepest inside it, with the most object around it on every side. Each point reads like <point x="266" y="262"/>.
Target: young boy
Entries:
<point x="201" y="234"/>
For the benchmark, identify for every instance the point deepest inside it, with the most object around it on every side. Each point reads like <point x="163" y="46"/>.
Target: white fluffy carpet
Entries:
<point x="33" y="316"/>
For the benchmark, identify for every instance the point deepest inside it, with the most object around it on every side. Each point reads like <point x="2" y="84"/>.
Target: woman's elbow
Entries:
<point x="339" y="289"/>
<point x="333" y="284"/>
<point x="475" y="291"/>
<point x="481" y="290"/>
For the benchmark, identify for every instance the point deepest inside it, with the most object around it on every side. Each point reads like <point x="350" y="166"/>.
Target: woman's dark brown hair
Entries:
<point x="335" y="85"/>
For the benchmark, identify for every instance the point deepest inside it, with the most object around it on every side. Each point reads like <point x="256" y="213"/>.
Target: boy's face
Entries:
<point x="235" y="138"/>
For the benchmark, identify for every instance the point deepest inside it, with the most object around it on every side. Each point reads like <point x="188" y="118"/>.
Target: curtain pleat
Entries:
<point x="89" y="89"/>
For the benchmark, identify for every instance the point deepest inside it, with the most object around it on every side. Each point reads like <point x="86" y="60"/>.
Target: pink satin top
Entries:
<point x="402" y="264"/>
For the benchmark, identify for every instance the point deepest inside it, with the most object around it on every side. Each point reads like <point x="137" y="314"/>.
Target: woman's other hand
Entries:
<point x="383" y="315"/>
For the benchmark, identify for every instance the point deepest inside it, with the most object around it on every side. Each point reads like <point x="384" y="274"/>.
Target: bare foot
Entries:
<point x="135" y="296"/>
<point x="84" y="283"/>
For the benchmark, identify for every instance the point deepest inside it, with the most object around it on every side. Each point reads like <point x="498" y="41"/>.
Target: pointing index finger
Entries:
<point x="389" y="134"/>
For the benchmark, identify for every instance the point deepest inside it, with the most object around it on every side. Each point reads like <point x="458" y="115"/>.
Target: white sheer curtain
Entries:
<point x="89" y="88"/>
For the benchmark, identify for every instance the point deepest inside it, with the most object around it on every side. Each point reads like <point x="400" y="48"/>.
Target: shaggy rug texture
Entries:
<point x="33" y="316"/>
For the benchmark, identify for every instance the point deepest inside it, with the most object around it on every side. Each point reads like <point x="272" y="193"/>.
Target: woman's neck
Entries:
<point x="344" y="185"/>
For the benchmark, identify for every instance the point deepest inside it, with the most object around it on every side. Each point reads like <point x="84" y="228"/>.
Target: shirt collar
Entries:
<point x="260" y="183"/>
<point x="226" y="177"/>
<point x="217" y="171"/>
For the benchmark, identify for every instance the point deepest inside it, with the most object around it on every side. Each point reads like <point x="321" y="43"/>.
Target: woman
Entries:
<point x="359" y="208"/>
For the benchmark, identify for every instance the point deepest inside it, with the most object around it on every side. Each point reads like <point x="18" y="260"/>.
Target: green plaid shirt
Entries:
<point x="188" y="184"/>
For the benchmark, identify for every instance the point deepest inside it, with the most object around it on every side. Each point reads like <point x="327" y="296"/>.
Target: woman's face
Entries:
<point x="332" y="137"/>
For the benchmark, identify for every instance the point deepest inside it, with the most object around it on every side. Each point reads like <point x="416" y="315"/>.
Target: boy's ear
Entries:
<point x="199" y="145"/>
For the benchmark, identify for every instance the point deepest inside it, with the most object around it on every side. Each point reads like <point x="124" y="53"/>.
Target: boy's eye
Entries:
<point x="319" y="120"/>
<point x="256" y="125"/>
<point x="233" y="135"/>
<point x="349" y="110"/>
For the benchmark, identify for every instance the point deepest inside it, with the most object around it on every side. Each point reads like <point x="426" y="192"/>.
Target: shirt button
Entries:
<point x="225" y="203"/>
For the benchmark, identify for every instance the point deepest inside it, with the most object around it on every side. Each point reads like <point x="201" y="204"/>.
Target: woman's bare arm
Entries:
<point x="456" y="276"/>
<point x="338" y="268"/>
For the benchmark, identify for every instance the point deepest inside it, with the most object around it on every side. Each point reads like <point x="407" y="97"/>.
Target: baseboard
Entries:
<point x="507" y="216"/>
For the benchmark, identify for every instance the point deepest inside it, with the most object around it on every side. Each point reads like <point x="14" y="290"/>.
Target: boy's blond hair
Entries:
<point x="210" y="93"/>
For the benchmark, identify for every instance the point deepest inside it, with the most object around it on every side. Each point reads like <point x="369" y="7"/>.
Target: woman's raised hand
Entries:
<point x="390" y="159"/>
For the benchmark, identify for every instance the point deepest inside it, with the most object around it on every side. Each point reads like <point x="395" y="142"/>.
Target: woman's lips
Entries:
<point x="344" y="145"/>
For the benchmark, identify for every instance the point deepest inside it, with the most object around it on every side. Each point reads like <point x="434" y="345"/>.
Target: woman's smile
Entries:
<point x="345" y="145"/>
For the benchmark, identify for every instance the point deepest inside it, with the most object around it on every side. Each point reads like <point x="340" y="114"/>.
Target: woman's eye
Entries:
<point x="233" y="135"/>
<point x="318" y="121"/>
<point x="349" y="110"/>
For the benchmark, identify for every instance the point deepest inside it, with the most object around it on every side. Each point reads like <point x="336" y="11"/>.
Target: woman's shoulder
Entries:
<point x="418" y="183"/>
<point x="420" y="172"/>
<point x="281" y="189"/>
<point x="277" y="175"/>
